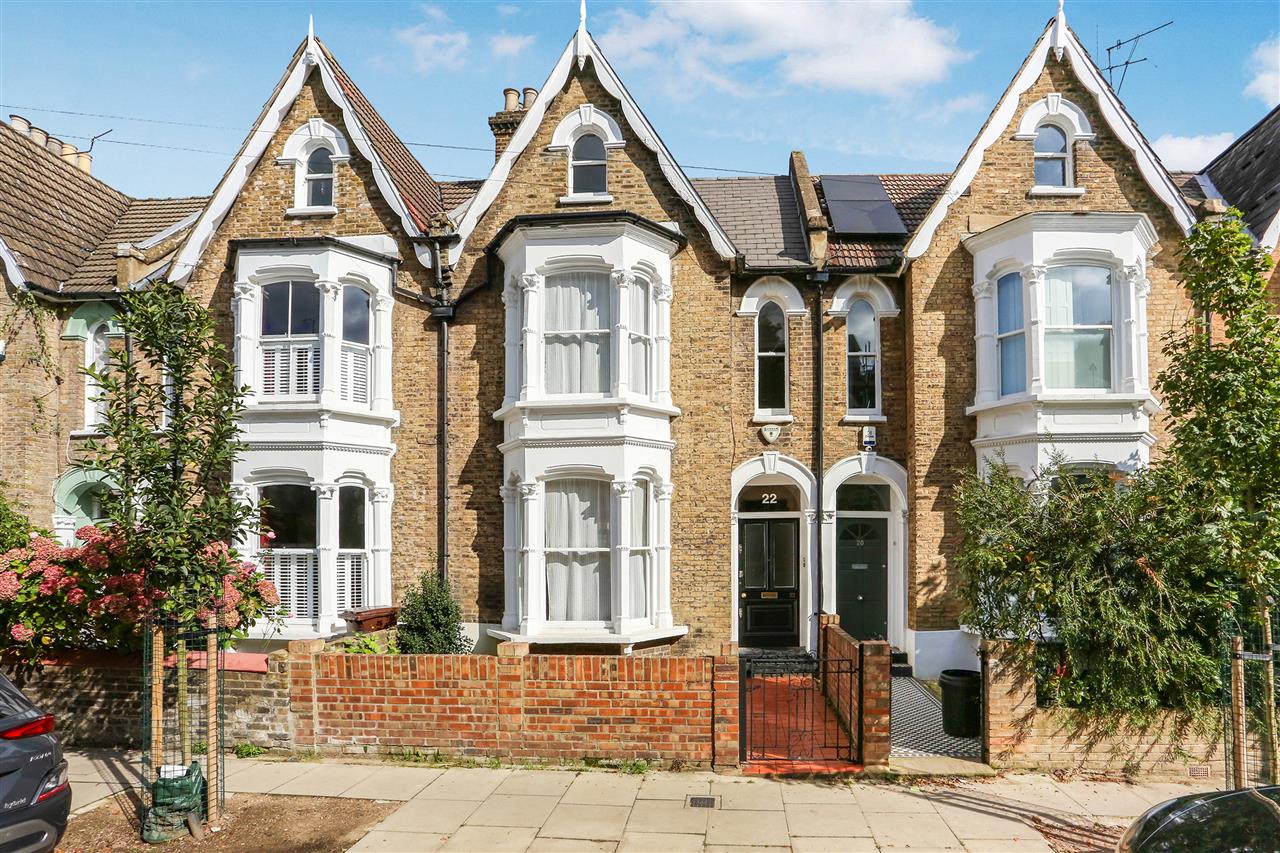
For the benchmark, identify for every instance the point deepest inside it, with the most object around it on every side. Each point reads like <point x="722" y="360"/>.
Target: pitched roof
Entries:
<point x="1247" y="175"/>
<point x="456" y="193"/>
<point x="912" y="196"/>
<point x="1188" y="183"/>
<point x="761" y="216"/>
<point x="59" y="225"/>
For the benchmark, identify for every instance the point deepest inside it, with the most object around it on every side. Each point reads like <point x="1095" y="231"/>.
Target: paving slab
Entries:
<point x="660" y="842"/>
<point x="87" y="793"/>
<point x="1158" y="792"/>
<point x="265" y="777"/>
<point x="432" y="816"/>
<point x="570" y="845"/>
<point x="820" y="844"/>
<point x="748" y="828"/>
<point x="974" y="820"/>
<point x="673" y="816"/>
<point x="739" y="848"/>
<point x="912" y="831"/>
<point x="592" y="822"/>
<point x="1105" y="799"/>
<point x="537" y="783"/>
<point x="817" y="792"/>
<point x="829" y="819"/>
<point x="1037" y="795"/>
<point x="325" y="780"/>
<point x="392" y="783"/>
<point x="603" y="789"/>
<point x="464" y="783"/>
<point x="378" y="841"/>
<point x="512" y="810"/>
<point x="744" y="794"/>
<point x="491" y="839"/>
<point x="1009" y="845"/>
<point x="675" y="786"/>
<point x="887" y="798"/>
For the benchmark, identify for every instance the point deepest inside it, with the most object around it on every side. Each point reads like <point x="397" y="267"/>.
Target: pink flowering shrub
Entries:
<point x="90" y="596"/>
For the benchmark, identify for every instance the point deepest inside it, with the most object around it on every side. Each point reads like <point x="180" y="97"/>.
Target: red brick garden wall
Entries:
<point x="865" y="703"/>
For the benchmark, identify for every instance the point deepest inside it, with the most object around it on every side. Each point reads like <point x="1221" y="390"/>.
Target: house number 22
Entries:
<point x="768" y="498"/>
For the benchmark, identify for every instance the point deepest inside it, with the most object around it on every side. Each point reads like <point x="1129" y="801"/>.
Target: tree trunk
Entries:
<point x="184" y="712"/>
<point x="1269" y="699"/>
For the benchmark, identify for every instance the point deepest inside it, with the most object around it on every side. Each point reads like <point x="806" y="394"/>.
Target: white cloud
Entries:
<point x="433" y="51"/>
<point x="1191" y="153"/>
<point x="1264" y="65"/>
<point x="505" y="44"/>
<point x="959" y="105"/>
<point x="435" y="13"/>
<point x="885" y="48"/>
<point x="508" y="9"/>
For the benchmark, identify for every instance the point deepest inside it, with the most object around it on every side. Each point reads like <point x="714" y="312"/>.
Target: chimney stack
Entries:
<point x="504" y="123"/>
<point x="20" y="124"/>
<point x="529" y="95"/>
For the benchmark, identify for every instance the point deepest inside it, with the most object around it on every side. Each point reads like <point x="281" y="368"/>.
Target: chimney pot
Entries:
<point x="84" y="161"/>
<point x="20" y="124"/>
<point x="529" y="95"/>
<point x="510" y="99"/>
<point x="54" y="146"/>
<point x="38" y="136"/>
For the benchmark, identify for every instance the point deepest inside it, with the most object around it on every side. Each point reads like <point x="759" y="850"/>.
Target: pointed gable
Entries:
<point x="406" y="186"/>
<point x="1060" y="39"/>
<point x="579" y="49"/>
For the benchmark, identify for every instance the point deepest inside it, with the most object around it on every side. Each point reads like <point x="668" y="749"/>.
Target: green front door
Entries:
<point x="769" y="582"/>
<point x="862" y="576"/>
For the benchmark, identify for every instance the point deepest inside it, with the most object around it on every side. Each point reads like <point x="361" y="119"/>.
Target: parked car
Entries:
<point x="35" y="796"/>
<point x="1246" y="821"/>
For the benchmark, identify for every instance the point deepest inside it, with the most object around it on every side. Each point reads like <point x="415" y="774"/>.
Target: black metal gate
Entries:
<point x="798" y="708"/>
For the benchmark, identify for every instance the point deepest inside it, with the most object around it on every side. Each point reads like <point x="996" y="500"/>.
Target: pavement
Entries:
<point x="523" y="809"/>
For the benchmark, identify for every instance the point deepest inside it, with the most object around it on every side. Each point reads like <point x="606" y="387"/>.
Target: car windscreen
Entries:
<point x="12" y="702"/>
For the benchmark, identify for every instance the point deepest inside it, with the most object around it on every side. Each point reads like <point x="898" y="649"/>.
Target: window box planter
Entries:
<point x="370" y="619"/>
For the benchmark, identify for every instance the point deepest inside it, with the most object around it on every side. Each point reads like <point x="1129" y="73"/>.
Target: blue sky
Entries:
<point x="859" y="86"/>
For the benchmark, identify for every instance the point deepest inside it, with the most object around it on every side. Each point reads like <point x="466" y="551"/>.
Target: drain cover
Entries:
<point x="696" y="802"/>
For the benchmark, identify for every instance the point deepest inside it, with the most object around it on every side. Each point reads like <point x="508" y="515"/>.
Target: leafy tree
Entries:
<point x="430" y="620"/>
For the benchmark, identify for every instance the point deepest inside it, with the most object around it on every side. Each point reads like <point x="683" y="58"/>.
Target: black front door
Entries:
<point x="862" y="577"/>
<point x="769" y="582"/>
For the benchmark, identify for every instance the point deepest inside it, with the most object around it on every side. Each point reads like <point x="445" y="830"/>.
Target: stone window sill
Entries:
<point x="1070" y="192"/>
<point x="591" y="198"/>
<point x="765" y="418"/>
<point x="308" y="212"/>
<point x="863" y="418"/>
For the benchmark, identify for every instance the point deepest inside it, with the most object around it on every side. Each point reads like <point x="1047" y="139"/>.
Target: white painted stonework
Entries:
<point x="1110" y="426"/>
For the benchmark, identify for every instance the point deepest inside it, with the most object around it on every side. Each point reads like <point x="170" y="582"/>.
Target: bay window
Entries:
<point x="863" y="341"/>
<point x="353" y="559"/>
<point x="1011" y="340"/>
<point x="1078" y="327"/>
<point x="771" y="360"/>
<point x="577" y="550"/>
<point x="288" y="547"/>
<point x="576" y="333"/>
<point x="356" y="358"/>
<point x="640" y="326"/>
<point x="641" y="550"/>
<point x="290" y="339"/>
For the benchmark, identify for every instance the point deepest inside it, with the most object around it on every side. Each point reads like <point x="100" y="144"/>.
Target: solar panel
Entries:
<point x="858" y="204"/>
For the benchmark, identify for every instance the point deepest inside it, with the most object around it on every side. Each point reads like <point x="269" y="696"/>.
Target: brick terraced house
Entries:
<point x="624" y="409"/>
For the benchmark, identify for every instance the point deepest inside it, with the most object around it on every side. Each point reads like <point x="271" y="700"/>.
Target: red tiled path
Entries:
<point x="790" y="728"/>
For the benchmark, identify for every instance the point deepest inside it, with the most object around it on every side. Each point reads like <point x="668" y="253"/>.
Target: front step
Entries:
<point x="899" y="666"/>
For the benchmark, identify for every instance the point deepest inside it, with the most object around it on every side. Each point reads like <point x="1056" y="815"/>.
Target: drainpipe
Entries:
<point x="819" y="406"/>
<point x="444" y="310"/>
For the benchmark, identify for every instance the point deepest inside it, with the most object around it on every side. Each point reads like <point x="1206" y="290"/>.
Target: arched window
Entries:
<point x="290" y="339"/>
<point x="771" y="360"/>
<point x="863" y="357"/>
<point x="1078" y="327"/>
<point x="1053" y="157"/>
<point x="1011" y="339"/>
<point x="588" y="166"/>
<point x="356" y="359"/>
<point x="640" y="325"/>
<point x="320" y="178"/>
<point x="578" y="319"/>
<point x="288" y="546"/>
<point x="96" y="356"/>
<point x="353" y="556"/>
<point x="577" y="550"/>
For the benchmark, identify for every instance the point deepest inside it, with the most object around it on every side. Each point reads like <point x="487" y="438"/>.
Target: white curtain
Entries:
<point x="578" y="319"/>
<point x="577" y="550"/>
<point x="641" y="553"/>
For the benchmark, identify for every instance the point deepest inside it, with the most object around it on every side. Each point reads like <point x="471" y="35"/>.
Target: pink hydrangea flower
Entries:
<point x="21" y="633"/>
<point x="270" y="595"/>
<point x="9" y="586"/>
<point x="75" y="597"/>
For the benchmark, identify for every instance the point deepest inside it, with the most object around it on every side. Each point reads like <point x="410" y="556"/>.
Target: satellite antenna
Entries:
<point x="1132" y="41"/>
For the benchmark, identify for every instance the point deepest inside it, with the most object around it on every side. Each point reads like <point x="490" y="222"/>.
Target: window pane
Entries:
<point x="320" y="162"/>
<point x="351" y="517"/>
<point x="320" y="192"/>
<point x="577" y="587"/>
<point x="290" y="513"/>
<point x="640" y="514"/>
<point x="639" y="581"/>
<point x="771" y="390"/>
<point x="304" y="319"/>
<point x="786" y="552"/>
<point x="355" y="315"/>
<point x="275" y="309"/>
<point x="769" y="499"/>
<point x="1078" y="296"/>
<point x="862" y="497"/>
<point x="640" y="365"/>
<point x="862" y="327"/>
<point x="1009" y="303"/>
<point x="589" y="179"/>
<point x="577" y="514"/>
<point x="1050" y="140"/>
<point x="577" y="300"/>
<point x="1078" y="359"/>
<point x="1051" y="172"/>
<point x="1013" y="364"/>
<point x="771" y="326"/>
<point x="862" y="382"/>
<point x="639" y="320"/>
<point x="755" y="559"/>
<point x="589" y="147"/>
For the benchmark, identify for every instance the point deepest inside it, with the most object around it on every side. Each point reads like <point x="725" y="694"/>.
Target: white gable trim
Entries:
<point x="1059" y="111"/>
<point x="260" y="137"/>
<point x="581" y="46"/>
<point x="1060" y="38"/>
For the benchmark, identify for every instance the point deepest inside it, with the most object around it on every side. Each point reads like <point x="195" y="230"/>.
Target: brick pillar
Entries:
<point x="302" y="690"/>
<point x="512" y="658"/>
<point x="725" y="748"/>
<point x="825" y="619"/>
<point x="1008" y="699"/>
<point x="873" y="702"/>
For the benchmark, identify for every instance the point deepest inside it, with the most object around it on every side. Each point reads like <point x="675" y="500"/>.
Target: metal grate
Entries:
<point x="798" y="708"/>
<point x="696" y="802"/>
